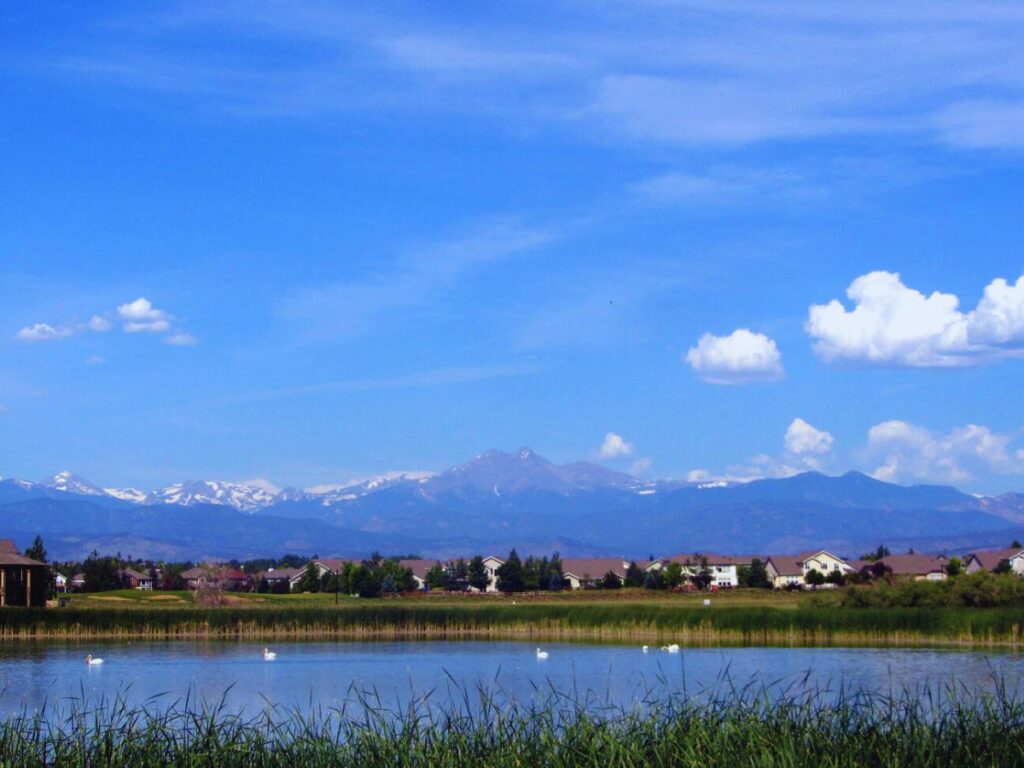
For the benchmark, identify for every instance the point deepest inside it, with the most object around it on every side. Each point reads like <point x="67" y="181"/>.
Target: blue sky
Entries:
<point x="306" y="241"/>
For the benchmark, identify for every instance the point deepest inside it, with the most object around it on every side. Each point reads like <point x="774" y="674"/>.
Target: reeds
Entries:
<point x="814" y="625"/>
<point x="731" y="728"/>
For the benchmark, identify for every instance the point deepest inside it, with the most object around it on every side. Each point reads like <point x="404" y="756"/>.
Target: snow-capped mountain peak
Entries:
<point x="247" y="498"/>
<point x="68" y="482"/>
<point x="133" y="495"/>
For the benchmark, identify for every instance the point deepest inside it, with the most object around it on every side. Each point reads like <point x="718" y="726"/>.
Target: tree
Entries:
<point x="610" y="581"/>
<point x="757" y="575"/>
<point x="101" y="573"/>
<point x="263" y="586"/>
<point x="310" y="581"/>
<point x="478" y="578"/>
<point x="436" y="577"/>
<point x="653" y="580"/>
<point x="814" y="578"/>
<point x="457" y="576"/>
<point x="954" y="567"/>
<point x="673" y="575"/>
<point x="1015" y="544"/>
<point x="634" y="575"/>
<point x="878" y="554"/>
<point x="37" y="551"/>
<point x="365" y="581"/>
<point x="835" y="577"/>
<point x="703" y="578"/>
<point x="510" y="575"/>
<point x="1004" y="566"/>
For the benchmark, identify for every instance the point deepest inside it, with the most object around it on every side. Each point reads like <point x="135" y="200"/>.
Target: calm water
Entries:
<point x="331" y="674"/>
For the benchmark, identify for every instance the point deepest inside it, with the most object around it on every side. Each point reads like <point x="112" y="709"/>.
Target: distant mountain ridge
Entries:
<point x="501" y="499"/>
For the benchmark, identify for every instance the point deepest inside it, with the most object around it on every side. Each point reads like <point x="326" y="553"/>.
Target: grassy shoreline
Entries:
<point x="933" y="729"/>
<point x="650" y="623"/>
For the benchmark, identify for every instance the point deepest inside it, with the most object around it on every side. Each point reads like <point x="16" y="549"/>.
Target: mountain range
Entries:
<point x="499" y="500"/>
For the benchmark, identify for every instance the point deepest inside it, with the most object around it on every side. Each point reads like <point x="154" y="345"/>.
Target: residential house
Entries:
<point x="136" y="580"/>
<point x="989" y="560"/>
<point x="491" y="566"/>
<point x="724" y="568"/>
<point x="222" y="577"/>
<point x="917" y="567"/>
<point x="77" y="582"/>
<point x="23" y="581"/>
<point x="419" y="569"/>
<point x="582" y="573"/>
<point x="60" y="582"/>
<point x="792" y="570"/>
<point x="280" y="580"/>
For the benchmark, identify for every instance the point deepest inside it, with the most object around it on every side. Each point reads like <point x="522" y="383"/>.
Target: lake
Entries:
<point x="337" y="674"/>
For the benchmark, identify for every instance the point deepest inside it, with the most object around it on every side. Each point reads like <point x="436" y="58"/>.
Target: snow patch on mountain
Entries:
<point x="67" y="482"/>
<point x="246" y="498"/>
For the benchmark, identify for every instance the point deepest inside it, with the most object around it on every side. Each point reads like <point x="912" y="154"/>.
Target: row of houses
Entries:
<point x="722" y="571"/>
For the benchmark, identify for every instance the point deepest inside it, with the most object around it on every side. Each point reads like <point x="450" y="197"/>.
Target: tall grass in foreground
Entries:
<point x="812" y="625"/>
<point x="737" y="729"/>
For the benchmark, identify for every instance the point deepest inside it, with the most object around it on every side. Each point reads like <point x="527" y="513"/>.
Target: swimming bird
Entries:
<point x="645" y="649"/>
<point x="90" y="660"/>
<point x="541" y="654"/>
<point x="671" y="648"/>
<point x="269" y="655"/>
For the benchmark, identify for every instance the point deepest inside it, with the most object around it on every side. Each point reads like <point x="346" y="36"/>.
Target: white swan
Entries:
<point x="269" y="655"/>
<point x="541" y="654"/>
<point x="645" y="649"/>
<point x="90" y="660"/>
<point x="671" y="648"/>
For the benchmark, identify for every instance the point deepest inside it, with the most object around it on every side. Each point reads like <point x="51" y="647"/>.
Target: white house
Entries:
<point x="792" y="570"/>
<point x="724" y="568"/>
<point x="491" y="565"/>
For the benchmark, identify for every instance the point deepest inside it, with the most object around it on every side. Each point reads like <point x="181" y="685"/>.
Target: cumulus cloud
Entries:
<point x="140" y="316"/>
<point x="45" y="332"/>
<point x="908" y="452"/>
<point x="801" y="438"/>
<point x="614" y="447"/>
<point x="892" y="324"/>
<point x="742" y="356"/>
<point x="805" y="448"/>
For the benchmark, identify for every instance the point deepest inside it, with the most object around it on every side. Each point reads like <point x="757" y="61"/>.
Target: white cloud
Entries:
<point x="181" y="339"/>
<point x="892" y="324"/>
<point x="805" y="448"/>
<point x="140" y="316"/>
<point x="45" y="332"/>
<point x="742" y="356"/>
<point x="640" y="466"/>
<point x="908" y="452"/>
<point x="801" y="438"/>
<point x="99" y="324"/>
<point x="614" y="447"/>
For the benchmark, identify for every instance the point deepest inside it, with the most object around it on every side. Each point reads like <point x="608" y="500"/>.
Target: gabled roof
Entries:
<point x="713" y="558"/>
<point x="8" y="546"/>
<point x="419" y="568"/>
<point x="136" y="575"/>
<point x="332" y="563"/>
<point x="914" y="565"/>
<point x="593" y="567"/>
<point x="786" y="565"/>
<point x="991" y="558"/>
<point x="279" y="574"/>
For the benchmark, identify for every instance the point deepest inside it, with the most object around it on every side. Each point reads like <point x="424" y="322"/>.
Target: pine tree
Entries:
<point x="478" y="578"/>
<point x="510" y="575"/>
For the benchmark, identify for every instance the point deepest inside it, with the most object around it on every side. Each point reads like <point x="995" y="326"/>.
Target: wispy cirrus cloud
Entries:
<point x="730" y="73"/>
<point x="349" y="308"/>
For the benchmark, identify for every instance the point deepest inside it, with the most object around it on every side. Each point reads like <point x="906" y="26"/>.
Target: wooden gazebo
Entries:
<point x="22" y="579"/>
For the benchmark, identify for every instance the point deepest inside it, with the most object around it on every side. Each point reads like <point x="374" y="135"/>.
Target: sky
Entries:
<point x="307" y="242"/>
